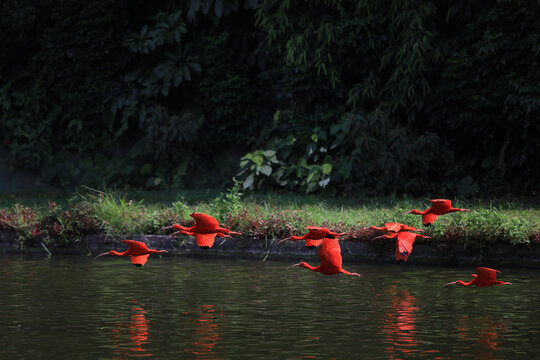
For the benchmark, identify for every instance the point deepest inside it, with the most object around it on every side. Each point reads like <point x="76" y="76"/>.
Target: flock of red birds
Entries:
<point x="206" y="228"/>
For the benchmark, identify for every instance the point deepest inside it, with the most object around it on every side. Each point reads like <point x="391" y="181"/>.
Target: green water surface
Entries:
<point x="75" y="307"/>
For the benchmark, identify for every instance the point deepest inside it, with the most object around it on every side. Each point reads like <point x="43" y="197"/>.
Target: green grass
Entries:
<point x="63" y="218"/>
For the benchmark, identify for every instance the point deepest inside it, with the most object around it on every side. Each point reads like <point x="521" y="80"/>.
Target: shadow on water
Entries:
<point x="72" y="307"/>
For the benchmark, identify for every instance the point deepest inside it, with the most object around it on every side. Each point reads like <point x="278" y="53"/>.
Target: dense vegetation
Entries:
<point x="64" y="221"/>
<point x="349" y="97"/>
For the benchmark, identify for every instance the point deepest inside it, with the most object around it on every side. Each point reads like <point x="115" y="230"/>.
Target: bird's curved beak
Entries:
<point x="293" y="265"/>
<point x="280" y="241"/>
<point x="105" y="253"/>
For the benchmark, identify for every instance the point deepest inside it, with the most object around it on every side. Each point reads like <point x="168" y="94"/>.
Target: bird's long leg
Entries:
<point x="385" y="236"/>
<point x="343" y="271"/>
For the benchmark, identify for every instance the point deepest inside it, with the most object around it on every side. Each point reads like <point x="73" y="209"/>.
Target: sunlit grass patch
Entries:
<point x="65" y="220"/>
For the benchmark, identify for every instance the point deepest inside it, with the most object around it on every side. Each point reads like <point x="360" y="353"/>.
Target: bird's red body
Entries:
<point x="404" y="243"/>
<point x="205" y="230"/>
<point x="315" y="236"/>
<point x="395" y="227"/>
<point x="484" y="277"/>
<point x="138" y="251"/>
<point x="438" y="207"/>
<point x="331" y="261"/>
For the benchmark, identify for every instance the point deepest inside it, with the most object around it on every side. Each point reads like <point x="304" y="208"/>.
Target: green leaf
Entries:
<point x="258" y="159"/>
<point x="266" y="170"/>
<point x="324" y="182"/>
<point x="310" y="149"/>
<point x="327" y="169"/>
<point x="248" y="182"/>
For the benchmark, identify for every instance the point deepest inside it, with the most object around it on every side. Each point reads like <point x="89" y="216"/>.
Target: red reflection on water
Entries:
<point x="399" y="325"/>
<point x="206" y="332"/>
<point x="487" y="332"/>
<point x="129" y="338"/>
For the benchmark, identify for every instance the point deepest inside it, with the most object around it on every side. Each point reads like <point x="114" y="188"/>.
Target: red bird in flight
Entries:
<point x="315" y="236"/>
<point x="394" y="227"/>
<point x="404" y="243"/>
<point x="205" y="230"/>
<point x="438" y="207"/>
<point x="138" y="251"/>
<point x="331" y="261"/>
<point x="484" y="277"/>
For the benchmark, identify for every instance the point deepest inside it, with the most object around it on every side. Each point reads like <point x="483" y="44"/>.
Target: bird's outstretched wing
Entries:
<point x="410" y="228"/>
<point x="205" y="221"/>
<point x="330" y="253"/>
<point x="139" y="260"/>
<point x="404" y="245"/>
<point x="394" y="227"/>
<point x="486" y="274"/>
<point x="317" y="228"/>
<point x="429" y="218"/>
<point x="205" y="239"/>
<point x="136" y="247"/>
<point x="440" y="206"/>
<point x="311" y="242"/>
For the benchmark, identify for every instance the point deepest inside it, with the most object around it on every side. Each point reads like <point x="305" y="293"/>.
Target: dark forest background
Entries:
<point x="343" y="97"/>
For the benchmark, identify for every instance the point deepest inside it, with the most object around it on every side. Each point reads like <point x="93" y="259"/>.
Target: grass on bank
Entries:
<point x="62" y="219"/>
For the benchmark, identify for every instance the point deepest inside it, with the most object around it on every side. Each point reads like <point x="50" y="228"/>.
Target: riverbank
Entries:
<point x="495" y="255"/>
<point x="494" y="232"/>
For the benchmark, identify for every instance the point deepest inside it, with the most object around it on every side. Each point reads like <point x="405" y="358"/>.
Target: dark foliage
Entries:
<point x="411" y="97"/>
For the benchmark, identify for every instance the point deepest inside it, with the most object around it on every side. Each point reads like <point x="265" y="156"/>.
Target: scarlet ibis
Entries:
<point x="331" y="261"/>
<point x="314" y="236"/>
<point x="438" y="207"/>
<point x="138" y="251"/>
<point x="404" y="243"/>
<point x="484" y="277"/>
<point x="394" y="227"/>
<point x="205" y="230"/>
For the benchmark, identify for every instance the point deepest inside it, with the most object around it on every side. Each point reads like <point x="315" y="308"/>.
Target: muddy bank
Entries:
<point x="495" y="255"/>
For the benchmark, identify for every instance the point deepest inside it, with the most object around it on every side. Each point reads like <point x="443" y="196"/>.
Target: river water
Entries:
<point x="75" y="307"/>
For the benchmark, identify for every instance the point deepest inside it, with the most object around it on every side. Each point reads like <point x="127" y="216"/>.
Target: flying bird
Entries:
<point x="484" y="277"/>
<point x="205" y="230"/>
<point x="138" y="251"/>
<point x="438" y="207"/>
<point x="315" y="236"/>
<point x="404" y="243"/>
<point x="331" y="261"/>
<point x="394" y="227"/>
